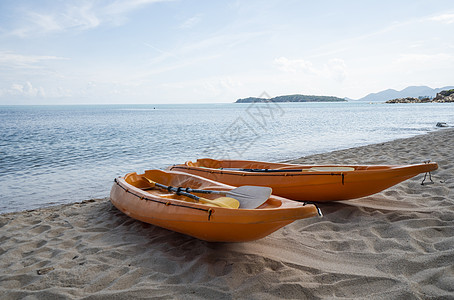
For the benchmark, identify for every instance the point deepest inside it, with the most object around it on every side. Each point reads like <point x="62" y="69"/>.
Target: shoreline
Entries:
<point x="265" y="133"/>
<point x="309" y="159"/>
<point x="395" y="244"/>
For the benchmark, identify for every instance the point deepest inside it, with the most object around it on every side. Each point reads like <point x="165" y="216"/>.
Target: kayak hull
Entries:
<point x="306" y="185"/>
<point x="209" y="223"/>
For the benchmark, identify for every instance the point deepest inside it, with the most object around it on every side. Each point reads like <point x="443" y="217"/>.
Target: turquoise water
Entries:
<point x="60" y="154"/>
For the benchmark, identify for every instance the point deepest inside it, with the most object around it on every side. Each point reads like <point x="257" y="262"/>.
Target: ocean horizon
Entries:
<point x="57" y="154"/>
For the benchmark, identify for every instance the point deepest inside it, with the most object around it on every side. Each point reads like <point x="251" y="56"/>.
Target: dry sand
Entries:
<point x="398" y="244"/>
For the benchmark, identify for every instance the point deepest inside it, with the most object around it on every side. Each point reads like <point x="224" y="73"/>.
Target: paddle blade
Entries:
<point x="151" y="182"/>
<point x="250" y="196"/>
<point x="226" y="202"/>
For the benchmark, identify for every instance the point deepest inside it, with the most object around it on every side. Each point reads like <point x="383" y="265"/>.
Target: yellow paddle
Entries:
<point x="226" y="202"/>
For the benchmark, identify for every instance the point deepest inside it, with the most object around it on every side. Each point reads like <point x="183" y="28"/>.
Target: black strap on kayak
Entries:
<point x="316" y="206"/>
<point x="430" y="178"/>
<point x="425" y="175"/>
<point x="210" y="212"/>
<point x="178" y="192"/>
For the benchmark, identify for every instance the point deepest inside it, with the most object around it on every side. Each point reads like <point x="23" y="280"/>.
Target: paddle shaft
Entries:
<point x="225" y="202"/>
<point x="178" y="191"/>
<point x="189" y="190"/>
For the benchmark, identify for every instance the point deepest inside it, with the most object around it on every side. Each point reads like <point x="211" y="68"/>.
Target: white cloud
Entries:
<point x="444" y="18"/>
<point x="295" y="65"/>
<point x="335" y="69"/>
<point x="26" y="89"/>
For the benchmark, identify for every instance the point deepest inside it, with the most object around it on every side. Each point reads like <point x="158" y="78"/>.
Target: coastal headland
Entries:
<point x="441" y="97"/>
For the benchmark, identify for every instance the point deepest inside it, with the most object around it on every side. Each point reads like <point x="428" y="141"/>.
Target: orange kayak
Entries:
<point x="306" y="182"/>
<point x="206" y="222"/>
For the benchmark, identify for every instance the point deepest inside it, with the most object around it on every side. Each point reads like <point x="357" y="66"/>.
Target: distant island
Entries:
<point x="292" y="98"/>
<point x="442" y="97"/>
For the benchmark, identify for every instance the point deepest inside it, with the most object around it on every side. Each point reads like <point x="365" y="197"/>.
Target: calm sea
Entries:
<point x="60" y="154"/>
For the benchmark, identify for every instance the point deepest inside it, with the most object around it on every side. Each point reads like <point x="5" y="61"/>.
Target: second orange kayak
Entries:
<point x="306" y="182"/>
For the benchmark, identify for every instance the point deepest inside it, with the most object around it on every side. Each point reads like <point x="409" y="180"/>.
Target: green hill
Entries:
<point x="292" y="98"/>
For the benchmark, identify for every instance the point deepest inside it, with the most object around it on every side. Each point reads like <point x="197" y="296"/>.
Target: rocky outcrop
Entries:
<point x="409" y="100"/>
<point x="445" y="96"/>
<point x="411" y="91"/>
<point x="442" y="97"/>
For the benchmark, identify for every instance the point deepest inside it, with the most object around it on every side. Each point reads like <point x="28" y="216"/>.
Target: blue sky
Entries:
<point x="145" y="51"/>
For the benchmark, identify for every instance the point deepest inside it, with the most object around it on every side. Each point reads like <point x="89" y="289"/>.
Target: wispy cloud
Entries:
<point x="163" y="54"/>
<point x="74" y="15"/>
<point x="207" y="49"/>
<point x="15" y="60"/>
<point x="223" y="40"/>
<point x="175" y="65"/>
<point x="121" y="7"/>
<point x="425" y="59"/>
<point x="444" y="18"/>
<point x="191" y="22"/>
<point x="36" y="22"/>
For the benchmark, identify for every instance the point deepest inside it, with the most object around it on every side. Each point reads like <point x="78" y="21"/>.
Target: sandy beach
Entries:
<point x="398" y="244"/>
